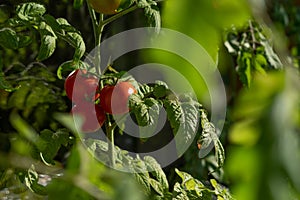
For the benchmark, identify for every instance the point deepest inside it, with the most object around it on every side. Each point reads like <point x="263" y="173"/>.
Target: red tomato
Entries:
<point x="114" y="99"/>
<point x="81" y="86"/>
<point x="93" y="116"/>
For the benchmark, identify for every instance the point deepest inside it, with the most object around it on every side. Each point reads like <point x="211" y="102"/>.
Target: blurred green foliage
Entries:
<point x="264" y="159"/>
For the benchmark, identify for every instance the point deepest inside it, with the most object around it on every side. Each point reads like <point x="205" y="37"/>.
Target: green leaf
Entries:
<point x="5" y="85"/>
<point x="244" y="68"/>
<point x="18" y="98"/>
<point x="144" y="90"/>
<point x="183" y="117"/>
<point x="48" y="42"/>
<point x="157" y="172"/>
<point x="179" y="193"/>
<point x="221" y="191"/>
<point x="9" y="38"/>
<point x="140" y="173"/>
<point x="28" y="11"/>
<point x="219" y="150"/>
<point x="51" y="21"/>
<point x="31" y="181"/>
<point x="4" y="13"/>
<point x="146" y="112"/>
<point x="23" y="128"/>
<point x="70" y="65"/>
<point x="24" y="41"/>
<point x="50" y="142"/>
<point x="209" y="134"/>
<point x="73" y="162"/>
<point x="39" y="94"/>
<point x="272" y="57"/>
<point x="191" y="187"/>
<point x="151" y="12"/>
<point x="125" y="4"/>
<point x="260" y="64"/>
<point x="174" y="113"/>
<point x="160" y="91"/>
<point x="80" y="45"/>
<point x="143" y="179"/>
<point x="74" y="38"/>
<point x="58" y="188"/>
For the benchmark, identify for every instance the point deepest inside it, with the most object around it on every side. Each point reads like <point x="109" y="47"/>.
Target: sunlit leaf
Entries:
<point x="151" y="12"/>
<point x="74" y="37"/>
<point x="48" y="42"/>
<point x="28" y="11"/>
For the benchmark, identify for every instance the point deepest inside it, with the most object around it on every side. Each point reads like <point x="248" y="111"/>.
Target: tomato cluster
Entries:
<point x="82" y="89"/>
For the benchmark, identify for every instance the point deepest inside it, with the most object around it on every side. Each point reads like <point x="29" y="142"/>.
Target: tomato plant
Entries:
<point x="43" y="156"/>
<point x="81" y="86"/>
<point x="92" y="116"/>
<point x="114" y="99"/>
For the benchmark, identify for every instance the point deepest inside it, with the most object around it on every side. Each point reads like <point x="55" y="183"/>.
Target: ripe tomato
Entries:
<point x="81" y="86"/>
<point x="93" y="116"/>
<point x="114" y="99"/>
<point x="105" y="6"/>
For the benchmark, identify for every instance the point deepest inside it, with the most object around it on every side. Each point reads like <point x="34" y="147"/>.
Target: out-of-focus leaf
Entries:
<point x="209" y="16"/>
<point x="24" y="41"/>
<point x="77" y="3"/>
<point x="8" y="38"/>
<point x="23" y="128"/>
<point x="31" y="181"/>
<point x="50" y="142"/>
<point x="259" y="111"/>
<point x="273" y="59"/>
<point x="252" y="51"/>
<point x="5" y="85"/>
<point x="4" y="13"/>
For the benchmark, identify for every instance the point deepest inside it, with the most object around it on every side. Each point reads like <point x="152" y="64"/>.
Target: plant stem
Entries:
<point x="98" y="29"/>
<point x="120" y="14"/>
<point x="252" y="35"/>
<point x="111" y="145"/>
<point x="98" y="36"/>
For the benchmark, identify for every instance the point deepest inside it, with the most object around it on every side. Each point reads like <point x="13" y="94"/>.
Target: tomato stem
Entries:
<point x="98" y="27"/>
<point x="111" y="145"/>
<point x="120" y="14"/>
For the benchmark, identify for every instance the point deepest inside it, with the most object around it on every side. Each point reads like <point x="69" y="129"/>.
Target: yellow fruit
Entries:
<point x="108" y="7"/>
